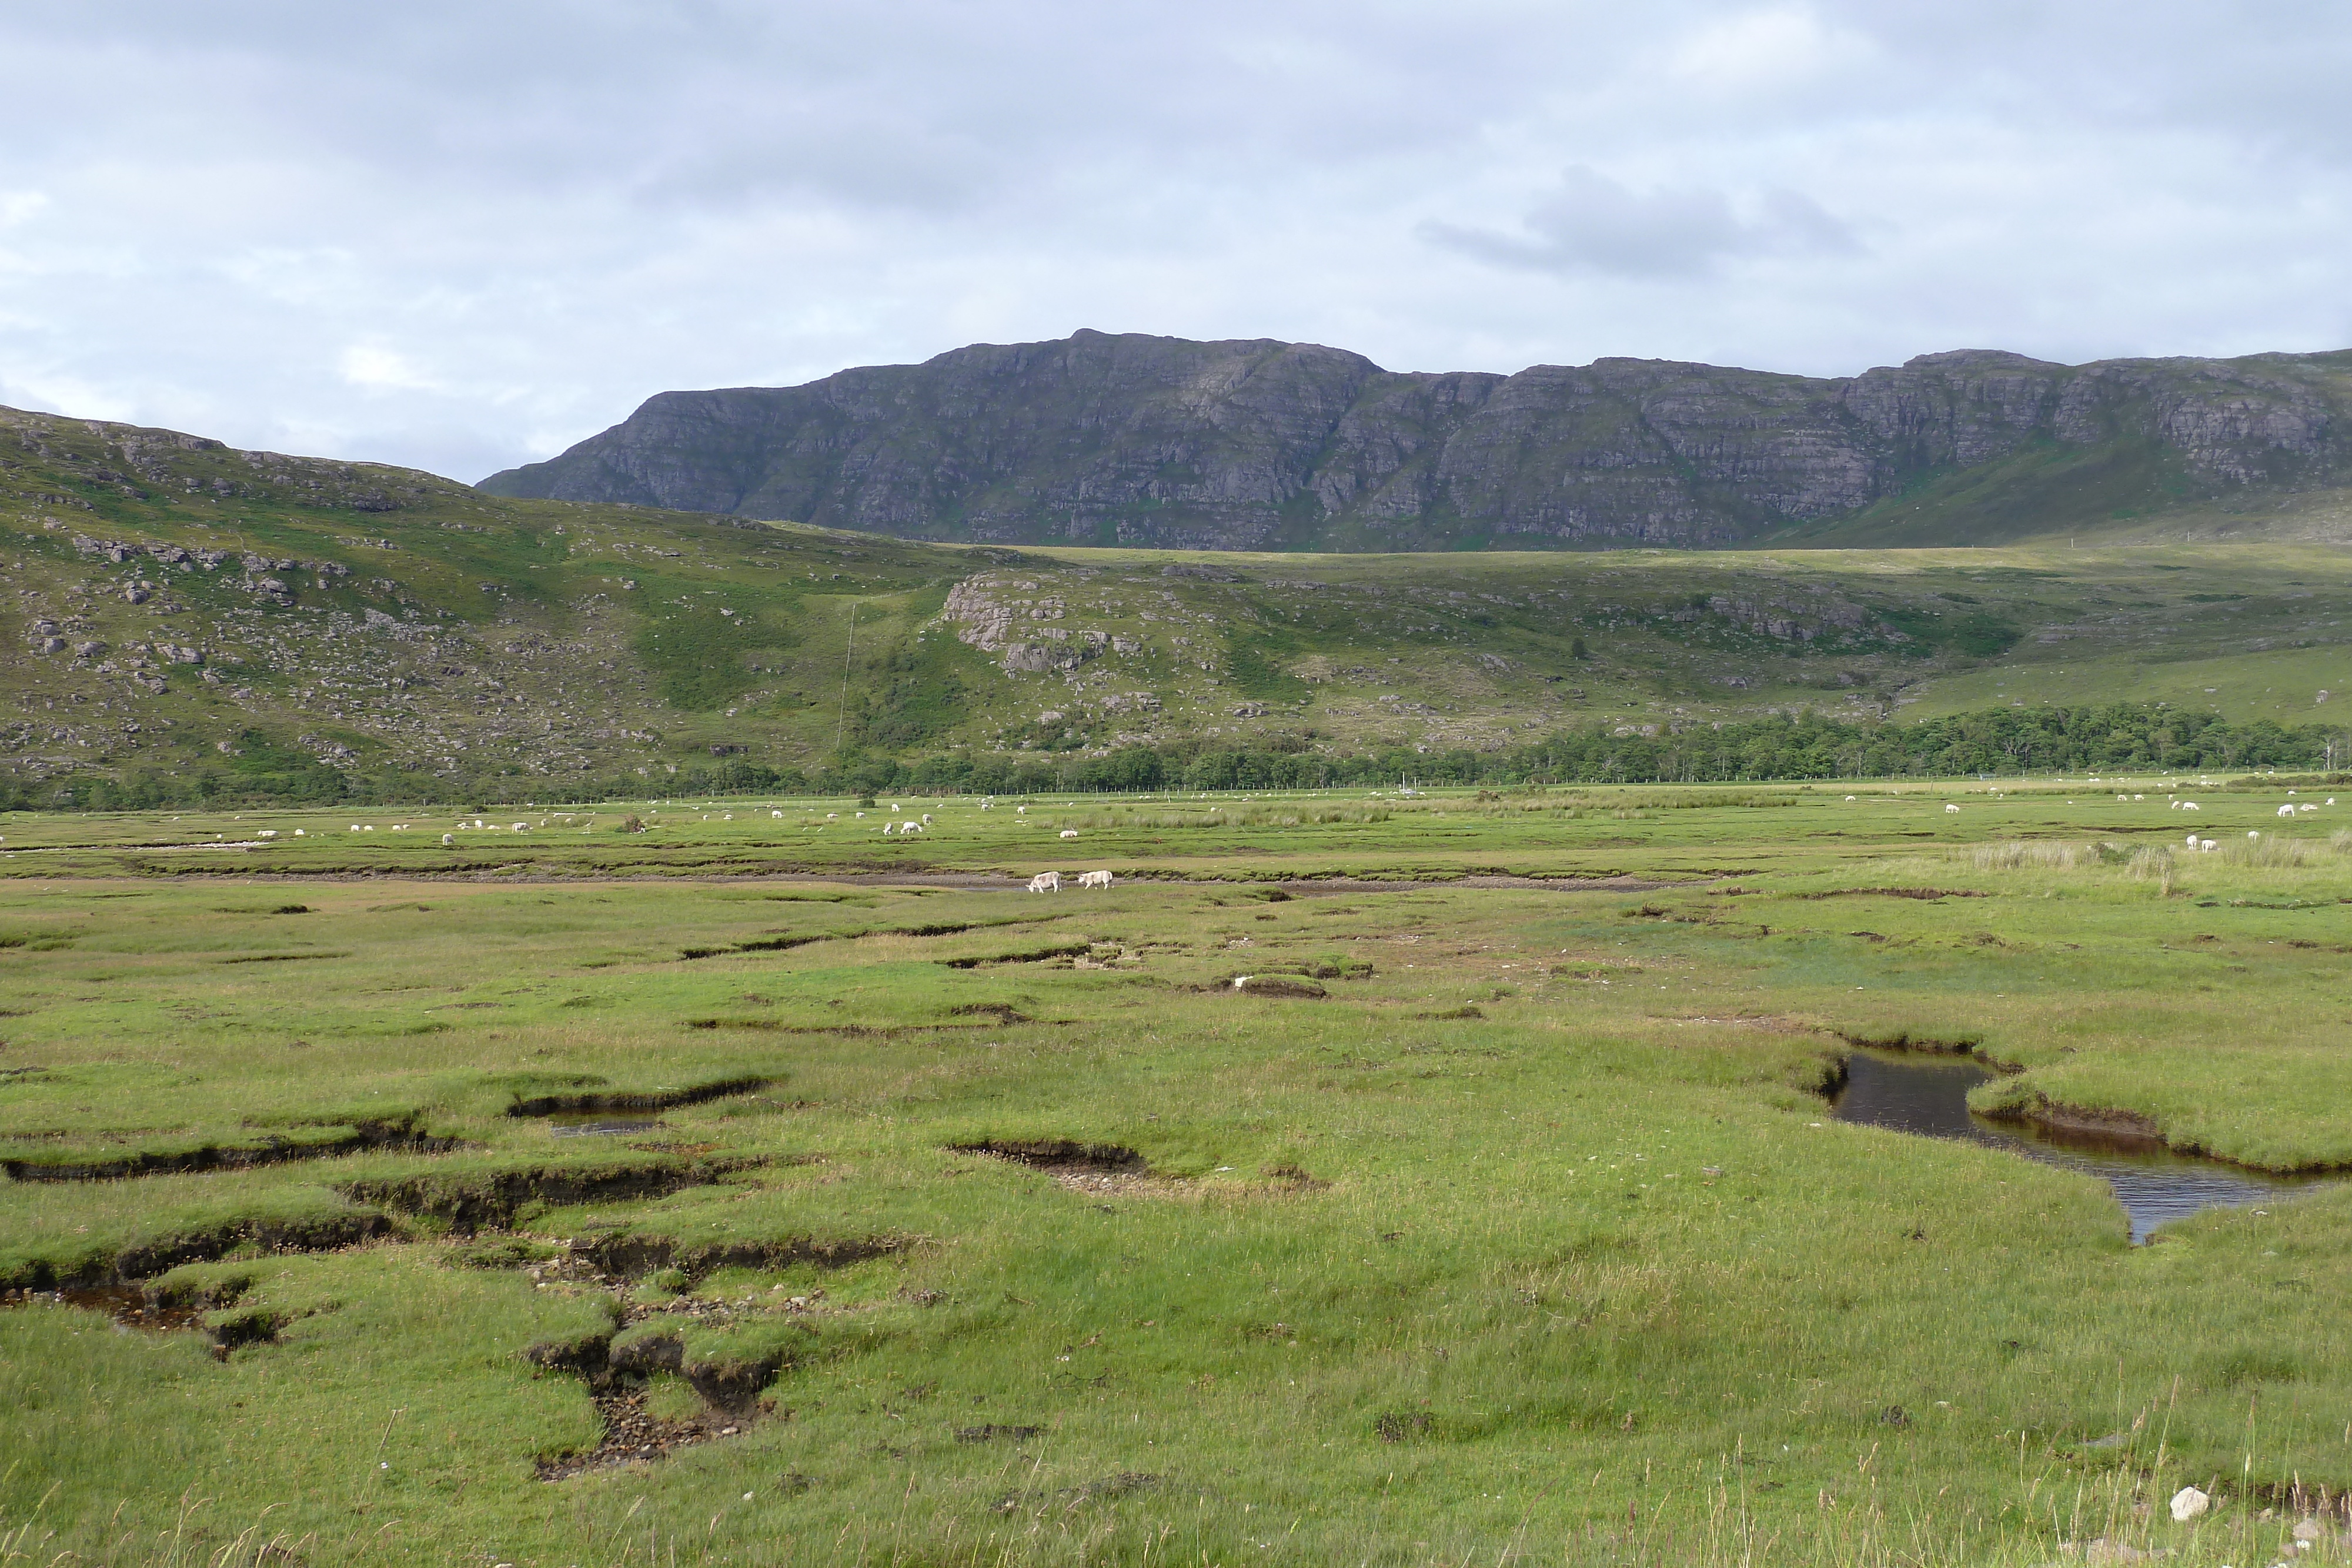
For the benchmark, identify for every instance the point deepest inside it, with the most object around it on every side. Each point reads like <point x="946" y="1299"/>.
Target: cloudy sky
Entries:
<point x="461" y="237"/>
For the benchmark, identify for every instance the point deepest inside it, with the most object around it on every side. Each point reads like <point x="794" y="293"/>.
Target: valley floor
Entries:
<point x="1365" y="1177"/>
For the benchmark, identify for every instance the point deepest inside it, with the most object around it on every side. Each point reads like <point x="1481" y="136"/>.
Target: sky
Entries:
<point x="462" y="236"/>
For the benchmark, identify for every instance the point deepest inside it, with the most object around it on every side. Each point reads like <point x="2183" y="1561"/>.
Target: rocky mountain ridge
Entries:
<point x="1103" y="439"/>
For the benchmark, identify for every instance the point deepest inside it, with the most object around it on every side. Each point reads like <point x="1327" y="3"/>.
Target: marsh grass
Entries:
<point x="1431" y="1269"/>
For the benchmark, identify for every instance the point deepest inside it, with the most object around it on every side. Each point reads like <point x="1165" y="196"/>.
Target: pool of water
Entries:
<point x="597" y="1123"/>
<point x="1930" y="1095"/>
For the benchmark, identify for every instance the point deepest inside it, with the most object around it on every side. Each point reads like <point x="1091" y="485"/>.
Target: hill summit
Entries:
<point x="1127" y="439"/>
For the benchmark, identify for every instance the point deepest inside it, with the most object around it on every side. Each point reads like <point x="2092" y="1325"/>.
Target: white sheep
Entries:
<point x="927" y="819"/>
<point x="2309" y="806"/>
<point x="906" y="828"/>
<point x="2205" y="844"/>
<point x="889" y="828"/>
<point x="1094" y="879"/>
<point x="1020" y="810"/>
<point x="2255" y="835"/>
<point x="1953" y="809"/>
<point x="2188" y="805"/>
<point x="1069" y="832"/>
<point x="1045" y="882"/>
<point x="2286" y="810"/>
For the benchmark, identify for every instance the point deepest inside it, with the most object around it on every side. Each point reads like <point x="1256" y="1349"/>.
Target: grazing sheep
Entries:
<point x="1094" y="879"/>
<point x="2205" y="844"/>
<point x="1020" y="810"/>
<point x="1045" y="882"/>
<point x="889" y="828"/>
<point x="927" y="819"/>
<point x="2286" y="810"/>
<point x="906" y="828"/>
<point x="1955" y="811"/>
<point x="2192" y="841"/>
<point x="2188" y="805"/>
<point x="1069" y="832"/>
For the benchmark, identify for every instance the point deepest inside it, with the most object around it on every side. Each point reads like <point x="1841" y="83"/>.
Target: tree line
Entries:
<point x="2014" y="741"/>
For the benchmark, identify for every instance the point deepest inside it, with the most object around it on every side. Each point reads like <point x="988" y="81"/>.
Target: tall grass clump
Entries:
<point x="2017" y="855"/>
<point x="2271" y="852"/>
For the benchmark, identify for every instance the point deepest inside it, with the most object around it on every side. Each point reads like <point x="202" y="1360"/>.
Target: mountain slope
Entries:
<point x="1256" y="444"/>
<point x="186" y="618"/>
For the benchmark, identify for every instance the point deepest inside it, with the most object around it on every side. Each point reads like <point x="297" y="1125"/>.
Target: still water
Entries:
<point x="597" y="1123"/>
<point x="1930" y="1095"/>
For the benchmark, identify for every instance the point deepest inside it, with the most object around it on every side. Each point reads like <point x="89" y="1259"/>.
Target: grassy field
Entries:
<point x="1497" y="1217"/>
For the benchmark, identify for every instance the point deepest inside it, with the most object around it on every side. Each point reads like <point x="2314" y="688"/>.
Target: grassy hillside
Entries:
<point x="186" y="612"/>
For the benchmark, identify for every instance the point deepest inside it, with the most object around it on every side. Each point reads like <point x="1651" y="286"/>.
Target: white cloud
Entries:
<point x="376" y="368"/>
<point x="1775" y="48"/>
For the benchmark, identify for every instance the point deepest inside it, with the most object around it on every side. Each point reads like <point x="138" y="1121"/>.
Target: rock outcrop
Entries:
<point x="1133" y="440"/>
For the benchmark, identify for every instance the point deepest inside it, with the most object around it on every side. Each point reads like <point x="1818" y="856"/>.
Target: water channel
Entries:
<point x="1930" y="1095"/>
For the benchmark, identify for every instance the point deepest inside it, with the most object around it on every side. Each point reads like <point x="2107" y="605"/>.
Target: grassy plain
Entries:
<point x="1498" y="1218"/>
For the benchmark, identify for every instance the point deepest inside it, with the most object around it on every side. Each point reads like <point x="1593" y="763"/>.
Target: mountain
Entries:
<point x="1164" y="443"/>
<point x="184" y="621"/>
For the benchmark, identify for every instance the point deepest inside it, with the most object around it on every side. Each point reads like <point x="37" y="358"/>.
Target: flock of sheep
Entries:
<point x="1050" y="881"/>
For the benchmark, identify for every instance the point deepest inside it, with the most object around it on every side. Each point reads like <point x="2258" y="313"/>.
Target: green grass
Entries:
<point x="1530" y="1239"/>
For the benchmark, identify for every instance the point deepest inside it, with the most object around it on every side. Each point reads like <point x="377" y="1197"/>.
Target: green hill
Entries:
<point x="188" y="617"/>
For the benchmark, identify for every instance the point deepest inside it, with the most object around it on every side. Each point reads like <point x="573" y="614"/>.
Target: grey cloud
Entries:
<point x="1593" y="224"/>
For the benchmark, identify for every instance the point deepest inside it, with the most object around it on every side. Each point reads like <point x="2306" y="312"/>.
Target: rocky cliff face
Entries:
<point x="1132" y="440"/>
